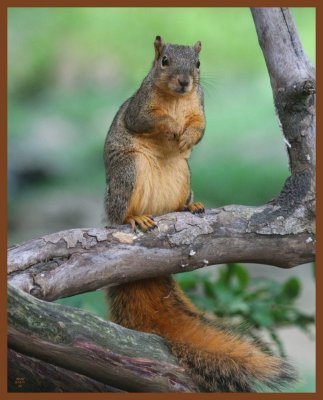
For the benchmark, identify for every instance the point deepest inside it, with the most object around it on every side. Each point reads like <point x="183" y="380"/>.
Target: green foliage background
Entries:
<point x="69" y="71"/>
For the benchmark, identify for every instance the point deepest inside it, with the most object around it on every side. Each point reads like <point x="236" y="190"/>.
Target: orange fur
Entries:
<point x="162" y="185"/>
<point x="156" y="307"/>
<point x="162" y="175"/>
<point x="185" y="110"/>
<point x="195" y="120"/>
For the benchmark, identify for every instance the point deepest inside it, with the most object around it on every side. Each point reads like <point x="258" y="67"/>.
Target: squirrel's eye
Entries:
<point x="165" y="61"/>
<point x="198" y="64"/>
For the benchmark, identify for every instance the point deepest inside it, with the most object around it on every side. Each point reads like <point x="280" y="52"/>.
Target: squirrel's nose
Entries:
<point x="183" y="82"/>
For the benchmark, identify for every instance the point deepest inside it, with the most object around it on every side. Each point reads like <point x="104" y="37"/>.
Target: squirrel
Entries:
<point x="146" y="161"/>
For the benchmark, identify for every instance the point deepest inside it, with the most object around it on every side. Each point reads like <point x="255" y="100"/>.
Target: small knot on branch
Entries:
<point x="309" y="87"/>
<point x="298" y="90"/>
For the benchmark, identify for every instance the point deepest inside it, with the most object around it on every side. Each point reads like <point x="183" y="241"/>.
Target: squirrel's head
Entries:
<point x="176" y="68"/>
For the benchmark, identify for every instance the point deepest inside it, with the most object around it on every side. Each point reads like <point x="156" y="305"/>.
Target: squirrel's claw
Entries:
<point x="183" y="144"/>
<point x="144" y="222"/>
<point x="195" y="208"/>
<point x="132" y="223"/>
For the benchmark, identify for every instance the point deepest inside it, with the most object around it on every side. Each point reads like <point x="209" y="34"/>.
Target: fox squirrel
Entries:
<point x="146" y="160"/>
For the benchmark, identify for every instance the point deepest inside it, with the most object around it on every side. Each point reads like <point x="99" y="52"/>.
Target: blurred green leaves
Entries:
<point x="261" y="304"/>
<point x="291" y="289"/>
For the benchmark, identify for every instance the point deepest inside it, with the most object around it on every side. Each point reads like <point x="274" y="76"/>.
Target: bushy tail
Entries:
<point x="239" y="367"/>
<point x="217" y="359"/>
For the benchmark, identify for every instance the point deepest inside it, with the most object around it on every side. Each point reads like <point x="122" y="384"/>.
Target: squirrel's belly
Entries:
<point x="161" y="186"/>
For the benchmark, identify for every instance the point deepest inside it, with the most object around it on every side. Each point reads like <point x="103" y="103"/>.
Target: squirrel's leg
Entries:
<point x="194" y="208"/>
<point x="121" y="185"/>
<point x="118" y="197"/>
<point x="124" y="196"/>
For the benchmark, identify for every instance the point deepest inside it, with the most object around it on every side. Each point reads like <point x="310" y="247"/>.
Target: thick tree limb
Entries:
<point x="27" y="374"/>
<point x="79" y="260"/>
<point x="83" y="343"/>
<point x="293" y="83"/>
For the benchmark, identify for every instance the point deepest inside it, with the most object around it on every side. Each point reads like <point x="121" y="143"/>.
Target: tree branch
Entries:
<point x="83" y="343"/>
<point x="28" y="374"/>
<point x="293" y="83"/>
<point x="70" y="262"/>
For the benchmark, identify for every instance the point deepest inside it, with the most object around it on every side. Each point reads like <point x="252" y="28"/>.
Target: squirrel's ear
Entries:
<point x="159" y="45"/>
<point x="198" y="46"/>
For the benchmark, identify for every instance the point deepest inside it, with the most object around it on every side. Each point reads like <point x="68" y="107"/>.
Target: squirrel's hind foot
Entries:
<point x="144" y="222"/>
<point x="195" y="208"/>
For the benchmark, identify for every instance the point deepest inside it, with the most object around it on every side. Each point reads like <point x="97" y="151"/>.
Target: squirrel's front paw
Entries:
<point x="184" y="142"/>
<point x="189" y="138"/>
<point x="145" y="222"/>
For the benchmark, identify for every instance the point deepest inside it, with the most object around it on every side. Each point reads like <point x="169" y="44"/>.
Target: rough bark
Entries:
<point x="293" y="83"/>
<point x="83" y="343"/>
<point x="28" y="374"/>
<point x="79" y="260"/>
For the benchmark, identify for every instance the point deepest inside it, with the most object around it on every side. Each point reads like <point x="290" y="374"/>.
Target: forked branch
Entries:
<point x="280" y="233"/>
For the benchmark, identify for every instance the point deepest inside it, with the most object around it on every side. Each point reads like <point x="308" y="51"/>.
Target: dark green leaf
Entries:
<point x="261" y="314"/>
<point x="242" y="277"/>
<point x="291" y="288"/>
<point x="210" y="288"/>
<point x="187" y="282"/>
